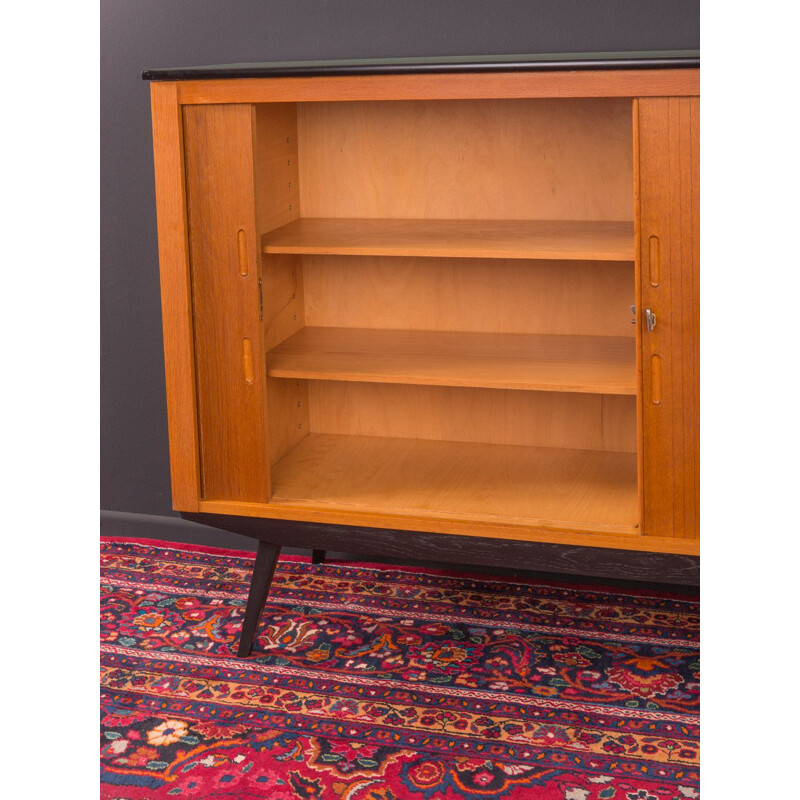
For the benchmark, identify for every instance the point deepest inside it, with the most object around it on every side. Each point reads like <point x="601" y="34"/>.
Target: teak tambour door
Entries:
<point x="227" y="209"/>
<point x="669" y="268"/>
<point x="224" y="256"/>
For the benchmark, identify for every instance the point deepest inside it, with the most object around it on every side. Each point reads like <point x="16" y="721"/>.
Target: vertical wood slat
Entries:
<point x="176" y="300"/>
<point x="230" y="371"/>
<point x="669" y="213"/>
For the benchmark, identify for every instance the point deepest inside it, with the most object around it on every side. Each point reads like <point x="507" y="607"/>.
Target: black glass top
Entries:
<point x="648" y="59"/>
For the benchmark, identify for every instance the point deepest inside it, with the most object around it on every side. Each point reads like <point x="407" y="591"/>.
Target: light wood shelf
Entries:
<point x="456" y="238"/>
<point x="535" y="486"/>
<point x="592" y="364"/>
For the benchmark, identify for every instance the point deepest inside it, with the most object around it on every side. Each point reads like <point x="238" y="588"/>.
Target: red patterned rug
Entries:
<point x="370" y="682"/>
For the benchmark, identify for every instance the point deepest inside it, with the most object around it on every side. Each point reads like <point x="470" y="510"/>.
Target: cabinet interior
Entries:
<point x="446" y="308"/>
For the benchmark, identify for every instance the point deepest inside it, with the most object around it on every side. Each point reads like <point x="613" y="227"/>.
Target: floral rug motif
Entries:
<point x="371" y="682"/>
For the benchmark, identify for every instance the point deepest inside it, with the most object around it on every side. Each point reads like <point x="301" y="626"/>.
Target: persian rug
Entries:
<point x="371" y="682"/>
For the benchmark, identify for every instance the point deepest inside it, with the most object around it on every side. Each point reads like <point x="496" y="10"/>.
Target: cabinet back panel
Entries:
<point x="491" y="416"/>
<point x="567" y="159"/>
<point x="497" y="296"/>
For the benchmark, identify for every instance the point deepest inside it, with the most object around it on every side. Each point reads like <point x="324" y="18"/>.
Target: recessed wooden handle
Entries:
<point x="247" y="360"/>
<point x="244" y="266"/>
<point x="655" y="260"/>
<point x="655" y="379"/>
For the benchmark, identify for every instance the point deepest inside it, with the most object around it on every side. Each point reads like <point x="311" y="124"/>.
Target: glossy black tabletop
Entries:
<point x="650" y="59"/>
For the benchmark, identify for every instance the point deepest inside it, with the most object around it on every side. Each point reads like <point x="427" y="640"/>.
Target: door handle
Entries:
<point x="650" y="317"/>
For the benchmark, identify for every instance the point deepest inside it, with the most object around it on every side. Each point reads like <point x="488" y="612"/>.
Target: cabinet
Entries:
<point x="442" y="298"/>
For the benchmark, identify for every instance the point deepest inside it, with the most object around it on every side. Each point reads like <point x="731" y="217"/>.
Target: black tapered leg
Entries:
<point x="263" y="570"/>
<point x="317" y="556"/>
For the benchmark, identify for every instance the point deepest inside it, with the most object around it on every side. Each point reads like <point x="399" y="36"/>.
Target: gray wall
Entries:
<point x="139" y="34"/>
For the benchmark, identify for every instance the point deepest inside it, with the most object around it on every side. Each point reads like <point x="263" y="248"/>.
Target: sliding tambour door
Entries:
<point x="224" y="254"/>
<point x="669" y="303"/>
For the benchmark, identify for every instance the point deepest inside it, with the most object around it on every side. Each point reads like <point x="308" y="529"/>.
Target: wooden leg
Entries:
<point x="263" y="570"/>
<point x="317" y="556"/>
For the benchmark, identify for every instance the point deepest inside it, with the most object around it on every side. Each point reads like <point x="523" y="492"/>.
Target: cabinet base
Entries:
<point x="467" y="550"/>
<point x="597" y="562"/>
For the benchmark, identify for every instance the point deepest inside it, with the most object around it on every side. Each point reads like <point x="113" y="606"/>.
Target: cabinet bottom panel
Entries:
<point x="535" y="486"/>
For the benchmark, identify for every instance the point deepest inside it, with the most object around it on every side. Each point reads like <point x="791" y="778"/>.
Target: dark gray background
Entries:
<point x="141" y="34"/>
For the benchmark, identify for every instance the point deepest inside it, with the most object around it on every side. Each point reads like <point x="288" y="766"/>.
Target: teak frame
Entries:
<point x="212" y="136"/>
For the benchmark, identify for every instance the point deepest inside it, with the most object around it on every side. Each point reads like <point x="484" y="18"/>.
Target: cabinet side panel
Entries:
<point x="275" y="152"/>
<point x="669" y="150"/>
<point x="176" y="301"/>
<point x="223" y="241"/>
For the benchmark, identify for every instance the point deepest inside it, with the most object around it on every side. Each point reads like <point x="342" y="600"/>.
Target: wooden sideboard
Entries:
<point x="443" y="308"/>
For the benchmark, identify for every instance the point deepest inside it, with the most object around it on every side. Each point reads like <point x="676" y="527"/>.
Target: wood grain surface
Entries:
<point x="369" y="543"/>
<point x="501" y="160"/>
<point x="669" y="152"/>
<point x="229" y="355"/>
<point x="570" y="240"/>
<point x="524" y="485"/>
<point x="581" y="83"/>
<point x="596" y="364"/>
<point x="587" y="298"/>
<point x="176" y="296"/>
<point x="494" y="416"/>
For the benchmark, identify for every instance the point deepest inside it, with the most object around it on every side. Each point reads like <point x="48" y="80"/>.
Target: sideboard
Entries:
<point x="443" y="308"/>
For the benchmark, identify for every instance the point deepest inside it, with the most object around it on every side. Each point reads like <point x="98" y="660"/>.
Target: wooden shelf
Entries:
<point x="533" y="486"/>
<point x="459" y="238"/>
<point x="594" y="364"/>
